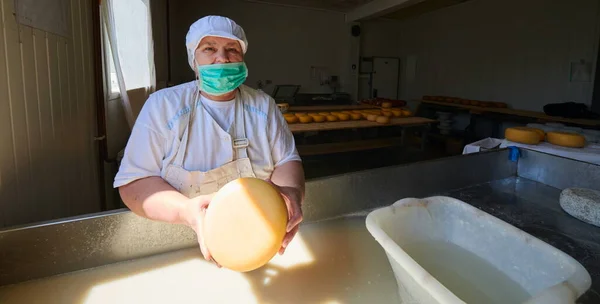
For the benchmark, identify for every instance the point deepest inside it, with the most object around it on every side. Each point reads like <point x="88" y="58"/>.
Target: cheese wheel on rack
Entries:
<point x="383" y="119"/>
<point x="356" y="116"/>
<point x="522" y="135"/>
<point x="397" y="113"/>
<point x="305" y="119"/>
<point x="387" y="114"/>
<point x="245" y="224"/>
<point x="324" y="113"/>
<point x="289" y="115"/>
<point x="372" y="117"/>
<point x="386" y="104"/>
<point x="291" y="119"/>
<point x="406" y="113"/>
<point x="332" y="118"/>
<point x="319" y="118"/>
<point x="356" y="111"/>
<point x="300" y="114"/>
<point x="566" y="139"/>
<point x="343" y="116"/>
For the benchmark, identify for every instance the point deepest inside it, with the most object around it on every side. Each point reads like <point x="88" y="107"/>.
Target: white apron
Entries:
<point x="194" y="183"/>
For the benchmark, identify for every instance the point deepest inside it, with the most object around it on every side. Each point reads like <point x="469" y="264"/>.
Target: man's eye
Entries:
<point x="234" y="50"/>
<point x="209" y="49"/>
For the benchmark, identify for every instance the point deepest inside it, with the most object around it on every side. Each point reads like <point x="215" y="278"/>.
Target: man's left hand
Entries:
<point x="293" y="201"/>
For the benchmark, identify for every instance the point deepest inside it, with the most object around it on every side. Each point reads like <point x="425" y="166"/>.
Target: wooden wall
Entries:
<point x="48" y="158"/>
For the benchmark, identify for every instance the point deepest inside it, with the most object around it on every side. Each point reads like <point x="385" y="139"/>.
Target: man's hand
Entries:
<point x="194" y="217"/>
<point x="293" y="201"/>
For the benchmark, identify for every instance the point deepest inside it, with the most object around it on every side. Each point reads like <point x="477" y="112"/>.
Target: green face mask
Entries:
<point x="221" y="78"/>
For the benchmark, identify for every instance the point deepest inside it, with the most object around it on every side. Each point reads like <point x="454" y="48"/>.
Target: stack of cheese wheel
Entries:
<point x="566" y="139"/>
<point x="245" y="224"/>
<point x="523" y="135"/>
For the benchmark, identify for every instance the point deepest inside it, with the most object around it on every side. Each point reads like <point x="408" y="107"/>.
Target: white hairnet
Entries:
<point x="213" y="26"/>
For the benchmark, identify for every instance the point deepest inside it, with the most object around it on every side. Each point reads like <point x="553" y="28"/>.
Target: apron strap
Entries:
<point x="184" y="139"/>
<point x="240" y="141"/>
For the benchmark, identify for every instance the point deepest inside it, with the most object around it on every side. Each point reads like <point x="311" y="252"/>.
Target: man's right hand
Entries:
<point x="194" y="212"/>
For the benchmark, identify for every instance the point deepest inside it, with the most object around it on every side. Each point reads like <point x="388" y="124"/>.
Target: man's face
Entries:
<point x="213" y="50"/>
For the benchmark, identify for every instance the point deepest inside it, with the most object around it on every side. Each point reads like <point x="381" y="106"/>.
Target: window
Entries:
<point x="132" y="36"/>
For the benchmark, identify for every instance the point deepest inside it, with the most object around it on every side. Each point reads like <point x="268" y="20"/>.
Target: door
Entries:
<point x="385" y="77"/>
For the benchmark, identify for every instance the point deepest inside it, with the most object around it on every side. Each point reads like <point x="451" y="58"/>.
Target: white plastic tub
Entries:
<point x="457" y="242"/>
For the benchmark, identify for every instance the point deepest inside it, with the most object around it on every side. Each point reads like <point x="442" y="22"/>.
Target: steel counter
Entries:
<point x="523" y="193"/>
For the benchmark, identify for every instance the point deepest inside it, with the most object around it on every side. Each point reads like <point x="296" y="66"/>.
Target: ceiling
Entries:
<point x="333" y="5"/>
<point x="348" y="5"/>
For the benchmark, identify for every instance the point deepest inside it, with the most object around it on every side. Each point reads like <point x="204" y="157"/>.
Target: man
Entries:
<point x="190" y="140"/>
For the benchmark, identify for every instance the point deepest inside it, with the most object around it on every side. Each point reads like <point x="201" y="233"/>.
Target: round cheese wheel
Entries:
<point x="324" y="113"/>
<point x="332" y="118"/>
<point x="343" y="116"/>
<point x="346" y="112"/>
<point x="397" y="113"/>
<point x="541" y="133"/>
<point x="406" y="113"/>
<point x="386" y="104"/>
<point x="319" y="118"/>
<point x="356" y="116"/>
<point x="522" y="135"/>
<point x="313" y="114"/>
<point x="383" y="119"/>
<point x="305" y="119"/>
<point x="245" y="224"/>
<point x="291" y="119"/>
<point x="371" y="117"/>
<point x="289" y="115"/>
<point x="388" y="114"/>
<point x="300" y="114"/>
<point x="566" y="139"/>
<point x="356" y="111"/>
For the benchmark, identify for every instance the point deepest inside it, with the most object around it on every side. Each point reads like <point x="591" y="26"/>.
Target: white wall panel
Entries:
<point x="48" y="160"/>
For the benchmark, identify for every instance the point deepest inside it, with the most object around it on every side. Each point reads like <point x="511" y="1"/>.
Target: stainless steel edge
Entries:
<point x="558" y="172"/>
<point x="366" y="190"/>
<point x="52" y="248"/>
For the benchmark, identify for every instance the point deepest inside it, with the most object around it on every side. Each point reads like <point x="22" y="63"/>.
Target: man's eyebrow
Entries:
<point x="207" y="42"/>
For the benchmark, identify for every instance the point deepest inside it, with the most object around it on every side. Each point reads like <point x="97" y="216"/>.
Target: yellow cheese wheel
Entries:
<point x="371" y="117"/>
<point x="386" y="104"/>
<point x="346" y="112"/>
<point x="356" y="111"/>
<point x="397" y="113"/>
<point x="541" y="133"/>
<point x="332" y="118"/>
<point x="383" y="119"/>
<point x="319" y="118"/>
<point x="289" y="115"/>
<point x="313" y="114"/>
<point x="305" y="119"/>
<point x="356" y="116"/>
<point x="388" y="114"/>
<point x="324" y="113"/>
<point x="571" y="140"/>
<point x="299" y="114"/>
<point x="245" y="224"/>
<point x="335" y="113"/>
<point x="291" y="119"/>
<point x="522" y="135"/>
<point x="343" y="116"/>
<point x="406" y="113"/>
